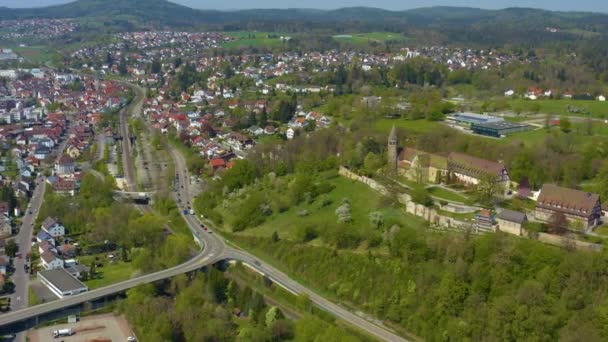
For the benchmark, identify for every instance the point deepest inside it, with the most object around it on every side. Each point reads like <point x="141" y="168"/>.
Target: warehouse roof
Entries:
<point x="498" y="125"/>
<point x="62" y="280"/>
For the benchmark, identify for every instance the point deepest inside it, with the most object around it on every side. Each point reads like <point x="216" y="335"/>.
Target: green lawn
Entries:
<point x="363" y="201"/>
<point x="32" y="297"/>
<point x="37" y="54"/>
<point x="529" y="138"/>
<point x="603" y="230"/>
<point x="519" y="204"/>
<point x="560" y="107"/>
<point x="366" y="38"/>
<point x="109" y="273"/>
<point x="414" y="126"/>
<point x="254" y="38"/>
<point x="447" y="194"/>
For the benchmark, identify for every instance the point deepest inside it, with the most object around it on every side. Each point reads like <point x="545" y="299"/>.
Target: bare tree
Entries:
<point x="558" y="223"/>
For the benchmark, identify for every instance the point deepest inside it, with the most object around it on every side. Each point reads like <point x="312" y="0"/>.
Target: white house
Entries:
<point x="50" y="261"/>
<point x="290" y="133"/>
<point x="51" y="226"/>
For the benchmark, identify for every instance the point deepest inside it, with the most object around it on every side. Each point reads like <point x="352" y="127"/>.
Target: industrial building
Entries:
<point x="469" y="119"/>
<point x="499" y="128"/>
<point x="61" y="282"/>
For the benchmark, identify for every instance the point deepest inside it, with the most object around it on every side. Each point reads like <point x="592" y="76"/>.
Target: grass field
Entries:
<point x="363" y="201"/>
<point x="37" y="54"/>
<point x="366" y="38"/>
<point x="254" y="39"/>
<point x="596" y="109"/>
<point x="414" y="126"/>
<point x="110" y="273"/>
<point x="447" y="194"/>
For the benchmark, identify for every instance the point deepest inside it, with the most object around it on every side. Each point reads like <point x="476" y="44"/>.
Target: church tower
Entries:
<point x="392" y="150"/>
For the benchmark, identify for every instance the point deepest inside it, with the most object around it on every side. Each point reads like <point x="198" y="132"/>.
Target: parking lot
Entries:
<point x="100" y="328"/>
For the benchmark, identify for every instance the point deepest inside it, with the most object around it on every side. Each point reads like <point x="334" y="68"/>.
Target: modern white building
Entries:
<point x="61" y="283"/>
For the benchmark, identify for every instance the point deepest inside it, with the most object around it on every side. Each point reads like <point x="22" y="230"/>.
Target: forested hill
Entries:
<point x="449" y="23"/>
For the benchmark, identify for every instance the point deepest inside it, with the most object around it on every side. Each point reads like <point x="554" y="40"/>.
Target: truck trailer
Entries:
<point x="63" y="332"/>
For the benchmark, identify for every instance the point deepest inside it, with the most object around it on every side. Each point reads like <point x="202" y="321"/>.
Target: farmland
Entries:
<point x="597" y="109"/>
<point x="366" y="38"/>
<point x="38" y="54"/>
<point x="254" y="39"/>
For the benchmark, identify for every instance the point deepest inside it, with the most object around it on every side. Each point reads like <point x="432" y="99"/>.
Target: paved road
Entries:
<point x="21" y="278"/>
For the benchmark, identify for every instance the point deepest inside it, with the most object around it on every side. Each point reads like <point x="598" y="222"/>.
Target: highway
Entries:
<point x="214" y="250"/>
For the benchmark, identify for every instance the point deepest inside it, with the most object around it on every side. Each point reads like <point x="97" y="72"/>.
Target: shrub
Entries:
<point x="306" y="233"/>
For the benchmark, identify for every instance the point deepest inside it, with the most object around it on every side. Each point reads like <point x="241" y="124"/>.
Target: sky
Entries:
<point x="561" y="5"/>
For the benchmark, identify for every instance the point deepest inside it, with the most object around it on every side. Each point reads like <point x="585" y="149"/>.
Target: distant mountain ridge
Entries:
<point x="450" y="22"/>
<point x="160" y="8"/>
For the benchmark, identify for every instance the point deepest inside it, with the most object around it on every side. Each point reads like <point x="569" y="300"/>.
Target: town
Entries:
<point x="356" y="174"/>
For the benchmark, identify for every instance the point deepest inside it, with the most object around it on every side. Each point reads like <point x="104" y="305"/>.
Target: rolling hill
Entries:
<point x="451" y="23"/>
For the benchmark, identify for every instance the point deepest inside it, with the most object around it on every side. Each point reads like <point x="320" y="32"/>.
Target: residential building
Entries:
<point x="484" y="221"/>
<point x="64" y="165"/>
<point x="510" y="221"/>
<point x="4" y="264"/>
<point x="6" y="229"/>
<point x="580" y="208"/>
<point x="50" y="261"/>
<point x="54" y="228"/>
<point x="45" y="236"/>
<point x="290" y="133"/>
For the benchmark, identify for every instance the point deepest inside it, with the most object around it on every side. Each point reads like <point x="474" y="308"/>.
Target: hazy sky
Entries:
<point x="568" y="5"/>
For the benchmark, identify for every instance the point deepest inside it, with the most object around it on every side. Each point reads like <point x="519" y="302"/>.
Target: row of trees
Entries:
<point x="209" y="307"/>
<point x="453" y="287"/>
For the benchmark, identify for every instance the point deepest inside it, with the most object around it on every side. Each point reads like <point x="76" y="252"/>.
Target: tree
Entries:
<point x="93" y="269"/>
<point x="109" y="59"/>
<point x="421" y="196"/>
<point x="122" y="67"/>
<point x="156" y="67"/>
<point x="242" y="173"/>
<point x="376" y="218"/>
<point x="12" y="248"/>
<point x="558" y="223"/>
<point x="344" y="213"/>
<point x="487" y="189"/>
<point x="263" y="118"/>
<point x="272" y="315"/>
<point x="275" y="236"/>
<point x="372" y="163"/>
<point x="565" y="124"/>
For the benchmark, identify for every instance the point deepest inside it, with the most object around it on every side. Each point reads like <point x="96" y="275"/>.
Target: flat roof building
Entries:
<point x="61" y="283"/>
<point x="468" y="119"/>
<point x="499" y="128"/>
